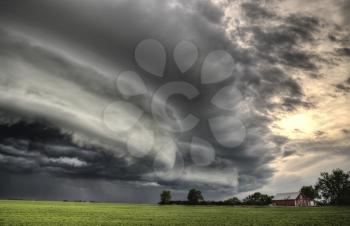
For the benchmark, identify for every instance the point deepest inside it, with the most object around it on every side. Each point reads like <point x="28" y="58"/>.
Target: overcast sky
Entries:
<point x="116" y="100"/>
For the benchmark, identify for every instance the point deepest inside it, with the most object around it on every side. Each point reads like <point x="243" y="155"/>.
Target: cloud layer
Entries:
<point x="62" y="112"/>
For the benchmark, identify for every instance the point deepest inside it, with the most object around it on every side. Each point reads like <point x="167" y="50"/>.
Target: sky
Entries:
<point x="117" y="100"/>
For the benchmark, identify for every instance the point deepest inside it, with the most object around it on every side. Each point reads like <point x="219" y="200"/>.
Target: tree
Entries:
<point x="309" y="192"/>
<point x="233" y="201"/>
<point x="165" y="197"/>
<point x="194" y="196"/>
<point x="334" y="188"/>
<point x="257" y="199"/>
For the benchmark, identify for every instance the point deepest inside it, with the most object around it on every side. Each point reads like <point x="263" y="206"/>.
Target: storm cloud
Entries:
<point x="64" y="119"/>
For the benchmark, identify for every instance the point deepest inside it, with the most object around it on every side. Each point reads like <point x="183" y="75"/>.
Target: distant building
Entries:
<point x="292" y="199"/>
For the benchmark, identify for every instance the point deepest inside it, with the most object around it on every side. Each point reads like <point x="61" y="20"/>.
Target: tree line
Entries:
<point x="195" y="197"/>
<point x="331" y="189"/>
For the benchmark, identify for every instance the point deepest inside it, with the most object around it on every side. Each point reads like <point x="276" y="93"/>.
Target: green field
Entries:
<point x="75" y="213"/>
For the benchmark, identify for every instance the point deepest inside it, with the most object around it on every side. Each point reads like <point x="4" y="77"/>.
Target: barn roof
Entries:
<point x="286" y="196"/>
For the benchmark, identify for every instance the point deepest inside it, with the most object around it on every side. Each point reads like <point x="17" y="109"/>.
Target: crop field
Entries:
<point x="13" y="212"/>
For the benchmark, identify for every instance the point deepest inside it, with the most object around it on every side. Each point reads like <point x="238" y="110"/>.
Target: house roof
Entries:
<point x="286" y="196"/>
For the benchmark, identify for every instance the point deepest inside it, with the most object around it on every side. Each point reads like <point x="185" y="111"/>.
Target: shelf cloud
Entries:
<point x="131" y="96"/>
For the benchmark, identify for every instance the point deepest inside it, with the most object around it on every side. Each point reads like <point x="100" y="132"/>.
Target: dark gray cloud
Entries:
<point x="320" y="133"/>
<point x="290" y="104"/>
<point x="345" y="12"/>
<point x="344" y="86"/>
<point x="254" y="11"/>
<point x="39" y="147"/>
<point x="343" y="51"/>
<point x="77" y="149"/>
<point x="345" y="131"/>
<point x="59" y="62"/>
<point x="280" y="43"/>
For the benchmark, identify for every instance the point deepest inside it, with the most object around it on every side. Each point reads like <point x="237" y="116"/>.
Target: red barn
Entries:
<point x="291" y="199"/>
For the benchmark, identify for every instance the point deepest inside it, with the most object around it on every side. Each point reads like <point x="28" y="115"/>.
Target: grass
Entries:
<point x="18" y="212"/>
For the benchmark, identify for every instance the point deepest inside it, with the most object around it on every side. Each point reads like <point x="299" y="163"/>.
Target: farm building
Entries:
<point x="292" y="199"/>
